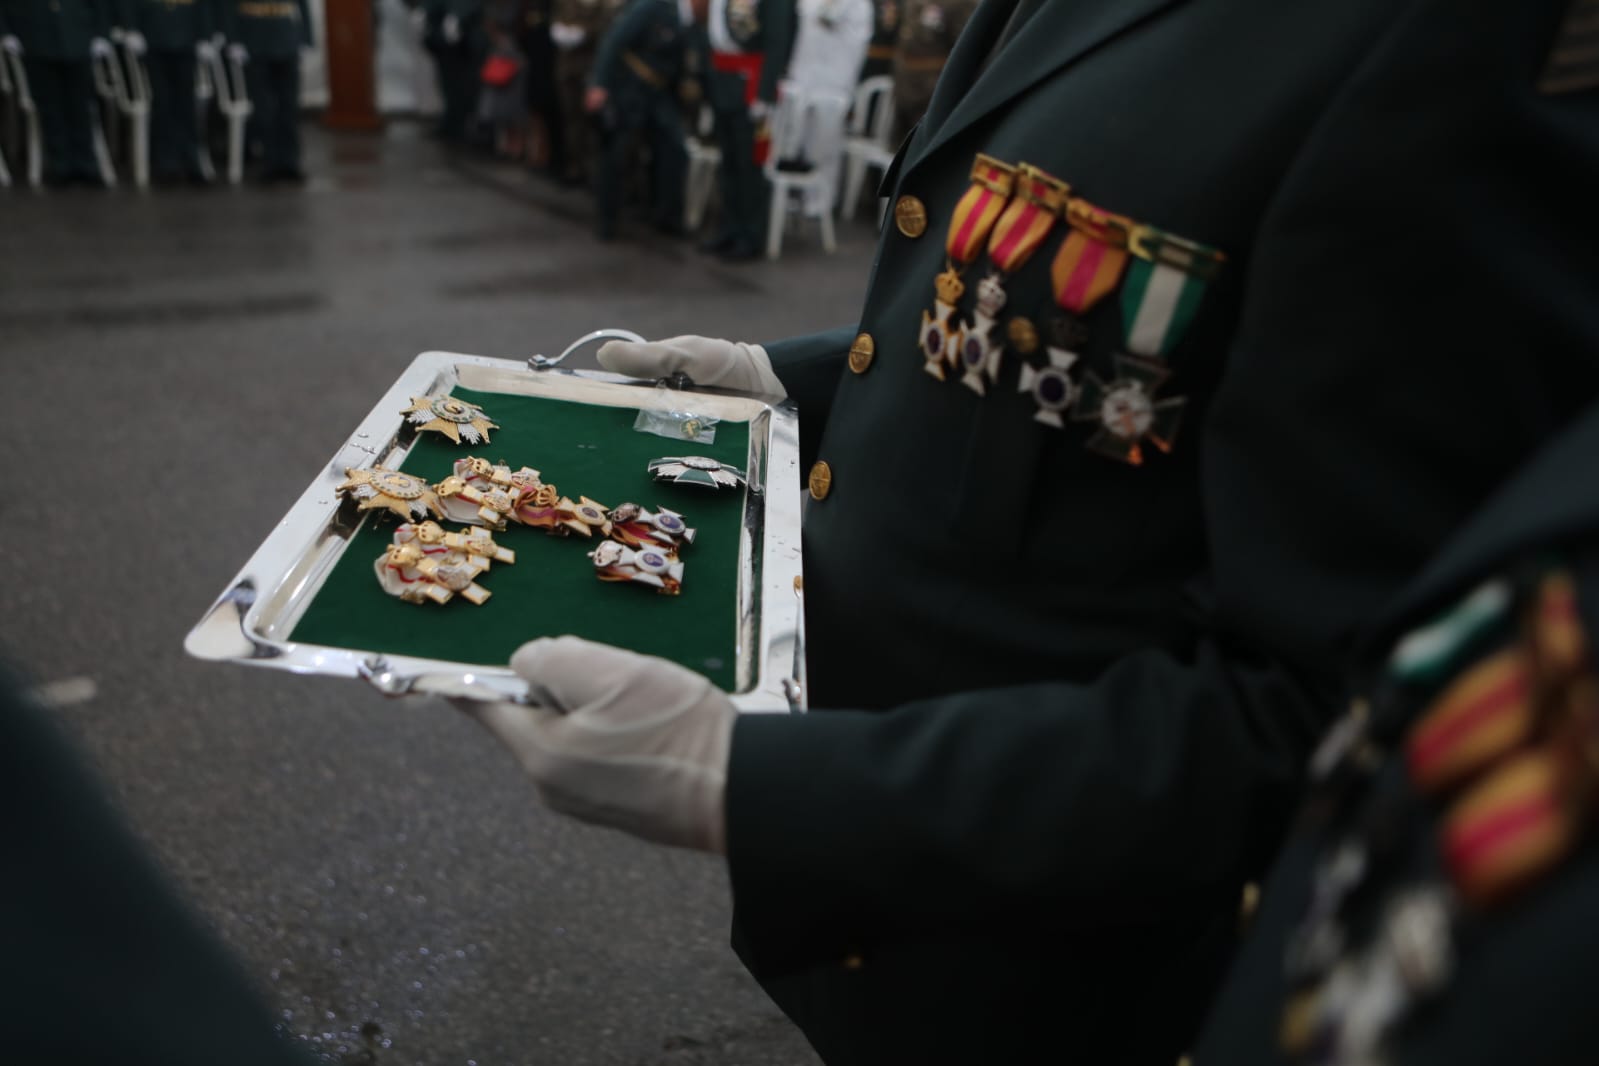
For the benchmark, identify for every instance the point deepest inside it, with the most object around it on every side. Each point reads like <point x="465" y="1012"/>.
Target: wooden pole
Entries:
<point x="352" y="64"/>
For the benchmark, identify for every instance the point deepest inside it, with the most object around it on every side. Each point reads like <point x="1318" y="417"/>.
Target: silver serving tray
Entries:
<point x="250" y="622"/>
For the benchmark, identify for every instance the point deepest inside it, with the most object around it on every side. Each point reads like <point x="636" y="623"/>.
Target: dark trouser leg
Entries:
<point x="45" y="82"/>
<point x="571" y="72"/>
<point x="739" y="177"/>
<point x="77" y="80"/>
<point x="283" y="155"/>
<point x="173" y="144"/>
<point x="615" y="149"/>
<point x="671" y="162"/>
<point x="262" y="106"/>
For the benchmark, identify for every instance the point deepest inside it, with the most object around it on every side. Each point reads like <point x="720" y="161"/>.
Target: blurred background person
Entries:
<point x="829" y="48"/>
<point x="545" y="149"/>
<point x="58" y="40"/>
<point x="885" y="30"/>
<point x="636" y="74"/>
<point x="576" y="27"/>
<point x="502" y="95"/>
<point x="454" y="34"/>
<point x="927" y="32"/>
<point x="171" y="35"/>
<point x="268" y="36"/>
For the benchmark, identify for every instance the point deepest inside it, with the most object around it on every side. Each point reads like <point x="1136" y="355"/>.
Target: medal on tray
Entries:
<point x="456" y="419"/>
<point x="975" y="214"/>
<point x="1022" y="227"/>
<point x="1086" y="269"/>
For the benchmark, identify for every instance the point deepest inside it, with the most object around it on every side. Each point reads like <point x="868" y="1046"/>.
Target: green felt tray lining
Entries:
<point x="585" y="450"/>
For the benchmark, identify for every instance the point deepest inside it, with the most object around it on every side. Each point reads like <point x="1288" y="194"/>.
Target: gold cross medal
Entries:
<point x="941" y="336"/>
<point x="661" y="570"/>
<point x="1026" y="221"/>
<point x="474" y="481"/>
<point x="424" y="564"/>
<point x="404" y="495"/>
<point x="494" y="506"/>
<point x="1087" y="267"/>
<point x="639" y="528"/>
<point x="458" y="420"/>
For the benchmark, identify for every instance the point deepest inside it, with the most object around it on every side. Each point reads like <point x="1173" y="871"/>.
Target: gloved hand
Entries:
<point x="759" y="109"/>
<point x="238" y="53"/>
<point x="99" y="48"/>
<point x="452" y="29"/>
<point x="205" y="50"/>
<point x="135" y="42"/>
<point x="719" y="363"/>
<point x="621" y="740"/>
<point x="11" y="44"/>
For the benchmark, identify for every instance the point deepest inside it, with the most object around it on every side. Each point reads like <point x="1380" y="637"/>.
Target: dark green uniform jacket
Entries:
<point x="652" y="33"/>
<point x="1517" y="987"/>
<point x="173" y="25"/>
<point x="1104" y="679"/>
<point x="58" y="29"/>
<point x="107" y="965"/>
<point x="764" y="26"/>
<point x="268" y="29"/>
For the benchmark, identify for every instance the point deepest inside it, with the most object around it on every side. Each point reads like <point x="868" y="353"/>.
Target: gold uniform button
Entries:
<point x="861" y="353"/>
<point x="910" y="215"/>
<point x="820" y="481"/>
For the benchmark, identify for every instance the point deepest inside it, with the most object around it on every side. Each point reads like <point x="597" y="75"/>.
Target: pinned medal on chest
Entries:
<point x="942" y="336"/>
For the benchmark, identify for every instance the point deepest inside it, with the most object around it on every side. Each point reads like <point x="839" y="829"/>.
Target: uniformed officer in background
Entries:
<point x="829" y="47"/>
<point x="637" y="71"/>
<point x="749" y="43"/>
<point x="928" y="30"/>
<point x="453" y="32"/>
<point x="268" y="35"/>
<point x="576" y="27"/>
<point x="885" y="31"/>
<point x="1439" y="902"/>
<point x="1198" y="327"/>
<point x="58" y="40"/>
<point x="171" y="35"/>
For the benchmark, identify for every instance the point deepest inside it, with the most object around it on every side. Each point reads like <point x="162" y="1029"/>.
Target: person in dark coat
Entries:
<point x="171" y="35"/>
<point x="269" y="34"/>
<point x="1438" y="901"/>
<point x="1196" y="328"/>
<point x="58" y="40"/>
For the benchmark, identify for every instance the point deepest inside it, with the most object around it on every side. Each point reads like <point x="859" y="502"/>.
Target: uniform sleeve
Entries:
<point x="617" y="40"/>
<point x="307" y="32"/>
<point x="1419" y="316"/>
<point x="809" y="366"/>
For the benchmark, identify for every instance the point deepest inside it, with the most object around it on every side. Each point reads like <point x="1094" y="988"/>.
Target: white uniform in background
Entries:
<point x="829" y="49"/>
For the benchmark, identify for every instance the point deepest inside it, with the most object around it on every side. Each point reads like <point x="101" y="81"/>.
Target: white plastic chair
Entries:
<point x="219" y="78"/>
<point x="704" y="160"/>
<point x="867" y="145"/>
<point x="14" y="84"/>
<point x="808" y="126"/>
<point x="124" y="84"/>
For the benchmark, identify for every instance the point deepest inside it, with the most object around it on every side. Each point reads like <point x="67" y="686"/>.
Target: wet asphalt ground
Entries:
<point x="185" y="361"/>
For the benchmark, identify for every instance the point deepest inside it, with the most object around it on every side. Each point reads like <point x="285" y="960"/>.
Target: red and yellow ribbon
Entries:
<point x="979" y="208"/>
<point x="1039" y="200"/>
<point x="1091" y="259"/>
<point x="1483" y="715"/>
<point x="1509" y="830"/>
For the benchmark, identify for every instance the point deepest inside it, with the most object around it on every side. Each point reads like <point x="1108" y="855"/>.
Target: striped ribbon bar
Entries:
<point x="1038" y="201"/>
<point x="1091" y="259"/>
<point x="1164" y="287"/>
<point x="1509" y="830"/>
<point x="1480" y="718"/>
<point x="979" y="208"/>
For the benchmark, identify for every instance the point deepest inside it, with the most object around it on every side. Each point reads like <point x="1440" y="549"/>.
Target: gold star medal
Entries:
<point x="404" y="495"/>
<point x="454" y="418"/>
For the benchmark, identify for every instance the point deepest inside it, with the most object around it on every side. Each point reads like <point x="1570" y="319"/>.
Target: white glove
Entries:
<point x="205" y="50"/>
<point x="135" y="42"/>
<point x="452" y="29"/>
<point x="238" y="53"/>
<point x="100" y="48"/>
<point x="759" y="109"/>
<point x="419" y="21"/>
<point x="721" y="364"/>
<point x="622" y="740"/>
<point x="11" y="44"/>
<point x="567" y="36"/>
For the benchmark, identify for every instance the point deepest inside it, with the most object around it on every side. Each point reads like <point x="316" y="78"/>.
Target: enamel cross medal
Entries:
<point x="975" y="214"/>
<point x="1027" y="219"/>
<point x="1086" y="269"/>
